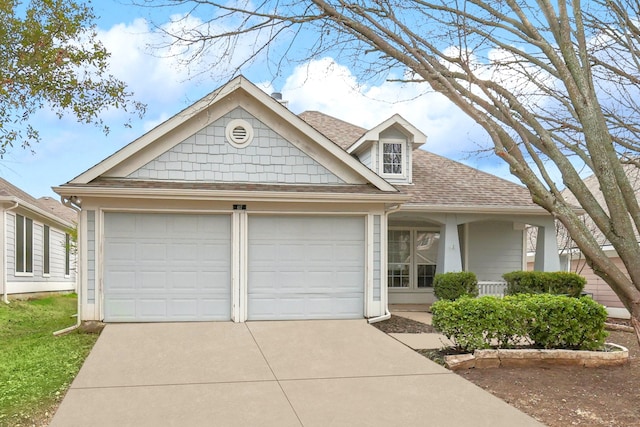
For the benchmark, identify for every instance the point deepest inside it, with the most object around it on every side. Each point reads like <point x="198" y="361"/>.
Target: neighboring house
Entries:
<point x="35" y="251"/>
<point x="571" y="258"/>
<point x="238" y="209"/>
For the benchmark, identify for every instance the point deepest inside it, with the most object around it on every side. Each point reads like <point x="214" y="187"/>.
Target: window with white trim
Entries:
<point x="24" y="245"/>
<point x="412" y="258"/>
<point x="46" y="253"/>
<point x="67" y="254"/>
<point x="393" y="158"/>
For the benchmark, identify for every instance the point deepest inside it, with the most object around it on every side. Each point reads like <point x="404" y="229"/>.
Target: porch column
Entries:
<point x="547" y="256"/>
<point x="449" y="256"/>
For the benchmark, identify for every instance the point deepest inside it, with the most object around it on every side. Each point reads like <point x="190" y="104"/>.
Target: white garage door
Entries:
<point x="167" y="267"/>
<point x="306" y="267"/>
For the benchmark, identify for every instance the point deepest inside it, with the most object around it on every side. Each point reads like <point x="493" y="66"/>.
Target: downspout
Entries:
<point x="5" y="299"/>
<point x="68" y="203"/>
<point x="387" y="314"/>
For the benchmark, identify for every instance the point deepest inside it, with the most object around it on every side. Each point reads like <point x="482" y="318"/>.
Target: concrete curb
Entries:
<point x="507" y="358"/>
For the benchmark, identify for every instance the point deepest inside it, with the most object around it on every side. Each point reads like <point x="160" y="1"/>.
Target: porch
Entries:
<point x="423" y="244"/>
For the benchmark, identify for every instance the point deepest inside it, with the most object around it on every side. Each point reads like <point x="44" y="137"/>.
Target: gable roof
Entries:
<point x="44" y="206"/>
<point x="208" y="109"/>
<point x="415" y="136"/>
<point x="439" y="183"/>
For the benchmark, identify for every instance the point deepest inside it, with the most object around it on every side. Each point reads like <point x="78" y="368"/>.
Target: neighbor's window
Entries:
<point x="67" y="254"/>
<point x="24" y="244"/>
<point x="45" y="251"/>
<point x="392" y="158"/>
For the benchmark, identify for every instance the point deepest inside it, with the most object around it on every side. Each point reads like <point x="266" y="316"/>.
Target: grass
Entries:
<point x="36" y="368"/>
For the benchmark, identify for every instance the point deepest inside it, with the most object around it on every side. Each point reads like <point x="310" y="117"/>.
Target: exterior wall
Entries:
<point x="600" y="290"/>
<point x="377" y="258"/>
<point x="494" y="248"/>
<point x="56" y="280"/>
<point x="92" y="233"/>
<point x="91" y="256"/>
<point x="207" y="156"/>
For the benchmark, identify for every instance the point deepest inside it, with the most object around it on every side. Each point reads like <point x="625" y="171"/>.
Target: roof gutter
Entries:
<point x="255" y="196"/>
<point x="479" y="209"/>
<point x="387" y="313"/>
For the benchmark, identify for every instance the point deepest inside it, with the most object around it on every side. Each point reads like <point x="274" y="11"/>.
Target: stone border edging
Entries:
<point x="509" y="358"/>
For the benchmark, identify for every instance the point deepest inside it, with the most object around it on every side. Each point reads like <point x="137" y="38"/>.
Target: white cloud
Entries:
<point x="331" y="88"/>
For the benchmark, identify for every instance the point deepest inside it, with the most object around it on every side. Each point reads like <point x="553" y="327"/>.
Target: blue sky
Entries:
<point x="68" y="148"/>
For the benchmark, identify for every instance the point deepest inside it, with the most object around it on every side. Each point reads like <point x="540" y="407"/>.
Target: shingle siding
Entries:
<point x="207" y="156"/>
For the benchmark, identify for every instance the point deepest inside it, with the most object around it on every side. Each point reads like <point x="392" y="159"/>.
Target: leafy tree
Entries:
<point x="50" y="58"/>
<point x="555" y="84"/>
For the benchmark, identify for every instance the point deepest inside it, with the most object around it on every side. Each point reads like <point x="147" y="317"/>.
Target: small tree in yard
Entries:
<point x="50" y="59"/>
<point x="556" y="86"/>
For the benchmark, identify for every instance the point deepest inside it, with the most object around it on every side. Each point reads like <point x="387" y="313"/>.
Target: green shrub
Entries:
<point x="451" y="286"/>
<point x="564" y="322"/>
<point x="472" y="323"/>
<point x="541" y="282"/>
<point x="549" y="321"/>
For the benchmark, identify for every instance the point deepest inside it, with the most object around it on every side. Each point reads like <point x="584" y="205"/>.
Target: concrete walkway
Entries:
<point x="293" y="373"/>
<point x="423" y="341"/>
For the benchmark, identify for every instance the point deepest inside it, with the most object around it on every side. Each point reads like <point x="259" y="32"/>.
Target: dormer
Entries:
<point x="387" y="149"/>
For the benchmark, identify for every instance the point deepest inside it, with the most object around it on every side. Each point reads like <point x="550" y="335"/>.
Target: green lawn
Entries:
<point x="36" y="368"/>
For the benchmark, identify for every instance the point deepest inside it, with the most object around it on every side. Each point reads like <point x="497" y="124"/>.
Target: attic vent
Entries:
<point x="239" y="133"/>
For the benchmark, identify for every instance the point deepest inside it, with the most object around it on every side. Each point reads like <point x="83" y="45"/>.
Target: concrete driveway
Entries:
<point x="292" y="373"/>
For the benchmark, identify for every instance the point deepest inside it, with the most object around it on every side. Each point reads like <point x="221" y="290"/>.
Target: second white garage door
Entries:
<point x="306" y="267"/>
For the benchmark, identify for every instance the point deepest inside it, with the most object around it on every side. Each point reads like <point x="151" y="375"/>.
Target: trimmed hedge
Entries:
<point x="451" y="286"/>
<point x="541" y="282"/>
<point x="549" y="321"/>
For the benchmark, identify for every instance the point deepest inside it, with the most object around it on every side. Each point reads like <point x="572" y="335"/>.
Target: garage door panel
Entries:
<point x="167" y="267"/>
<point x="306" y="267"/>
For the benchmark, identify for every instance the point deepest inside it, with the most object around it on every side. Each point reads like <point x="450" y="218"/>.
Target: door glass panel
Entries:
<point x="426" y="253"/>
<point x="399" y="261"/>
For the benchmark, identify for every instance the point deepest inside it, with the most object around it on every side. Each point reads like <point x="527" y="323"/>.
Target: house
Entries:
<point x="572" y="259"/>
<point x="36" y="252"/>
<point x="238" y="209"/>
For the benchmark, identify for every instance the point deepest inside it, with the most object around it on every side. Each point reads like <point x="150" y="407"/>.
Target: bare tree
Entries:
<point x="556" y="85"/>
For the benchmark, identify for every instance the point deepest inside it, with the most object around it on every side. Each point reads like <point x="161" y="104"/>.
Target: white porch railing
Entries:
<point x="495" y="288"/>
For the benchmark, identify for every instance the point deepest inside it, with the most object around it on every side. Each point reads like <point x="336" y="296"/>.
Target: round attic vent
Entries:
<point x="239" y="133"/>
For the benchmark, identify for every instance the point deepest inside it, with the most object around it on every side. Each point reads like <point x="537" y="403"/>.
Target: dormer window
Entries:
<point x="393" y="158"/>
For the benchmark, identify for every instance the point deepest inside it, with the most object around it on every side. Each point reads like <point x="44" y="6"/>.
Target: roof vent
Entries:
<point x="239" y="133"/>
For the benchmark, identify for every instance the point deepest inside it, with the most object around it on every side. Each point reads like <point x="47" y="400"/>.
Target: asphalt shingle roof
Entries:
<point x="47" y="204"/>
<point x="437" y="181"/>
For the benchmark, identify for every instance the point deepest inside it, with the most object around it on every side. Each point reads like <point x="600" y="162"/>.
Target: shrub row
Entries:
<point x="549" y="321"/>
<point x="451" y="286"/>
<point x="540" y="282"/>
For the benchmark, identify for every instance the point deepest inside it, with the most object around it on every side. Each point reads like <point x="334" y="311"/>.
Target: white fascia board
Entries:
<point x="534" y="210"/>
<point x="262" y="196"/>
<point x="416" y="137"/>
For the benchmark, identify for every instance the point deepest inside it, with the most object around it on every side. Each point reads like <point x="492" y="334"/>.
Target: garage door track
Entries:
<point x="290" y="373"/>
